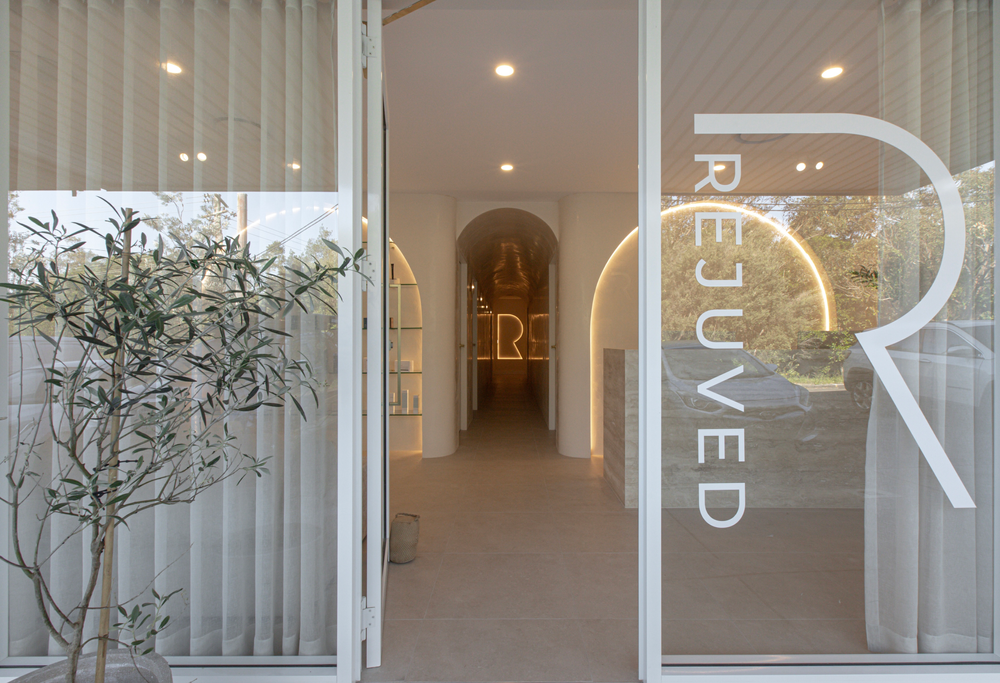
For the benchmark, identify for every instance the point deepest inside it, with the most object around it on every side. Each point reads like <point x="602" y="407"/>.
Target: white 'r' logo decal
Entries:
<point x="875" y="341"/>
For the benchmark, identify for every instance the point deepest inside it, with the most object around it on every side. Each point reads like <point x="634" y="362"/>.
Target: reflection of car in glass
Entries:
<point x="774" y="409"/>
<point x="958" y="352"/>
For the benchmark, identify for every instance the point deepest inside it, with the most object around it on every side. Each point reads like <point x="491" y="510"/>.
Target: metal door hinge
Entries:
<point x="367" y="618"/>
<point x="367" y="46"/>
<point x="368" y="271"/>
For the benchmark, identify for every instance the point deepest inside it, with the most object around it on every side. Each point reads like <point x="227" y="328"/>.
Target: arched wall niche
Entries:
<point x="406" y="328"/>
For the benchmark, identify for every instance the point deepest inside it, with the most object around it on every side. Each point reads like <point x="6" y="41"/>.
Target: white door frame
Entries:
<point x="377" y="435"/>
<point x="475" y="347"/>
<point x="463" y="344"/>
<point x="650" y="624"/>
<point x="349" y="403"/>
<point x="551" y="352"/>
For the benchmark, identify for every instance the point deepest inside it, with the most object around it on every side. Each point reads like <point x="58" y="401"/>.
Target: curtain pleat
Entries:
<point x="71" y="128"/>
<point x="291" y="570"/>
<point x="124" y="95"/>
<point x="928" y="566"/>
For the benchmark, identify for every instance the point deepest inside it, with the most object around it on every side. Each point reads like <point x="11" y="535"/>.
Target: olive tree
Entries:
<point x="172" y="339"/>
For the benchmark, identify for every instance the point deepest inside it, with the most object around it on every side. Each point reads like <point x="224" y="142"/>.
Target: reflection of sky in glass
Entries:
<point x="290" y="218"/>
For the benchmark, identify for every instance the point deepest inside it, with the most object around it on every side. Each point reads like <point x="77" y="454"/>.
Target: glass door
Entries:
<point x="219" y="124"/>
<point x="818" y="193"/>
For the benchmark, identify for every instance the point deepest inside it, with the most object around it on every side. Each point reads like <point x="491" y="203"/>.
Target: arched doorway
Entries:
<point x="508" y="257"/>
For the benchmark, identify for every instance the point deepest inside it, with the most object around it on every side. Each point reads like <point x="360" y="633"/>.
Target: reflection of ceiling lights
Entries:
<point x="800" y="166"/>
<point x="819" y="165"/>
<point x="507" y="167"/>
<point x="505" y="70"/>
<point x="719" y="167"/>
<point x="172" y="68"/>
<point x="184" y="156"/>
<point x="294" y="166"/>
<point x="832" y="72"/>
<point x="202" y="156"/>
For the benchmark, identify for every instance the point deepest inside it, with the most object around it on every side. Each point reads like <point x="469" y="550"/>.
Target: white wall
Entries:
<point x="423" y="226"/>
<point x="591" y="227"/>
<point x="614" y="325"/>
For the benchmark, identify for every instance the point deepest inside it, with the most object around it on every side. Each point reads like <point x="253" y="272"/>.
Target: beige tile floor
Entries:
<point x="527" y="564"/>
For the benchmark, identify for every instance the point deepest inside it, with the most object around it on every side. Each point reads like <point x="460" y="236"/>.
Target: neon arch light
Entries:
<point x="782" y="230"/>
<point x="819" y="273"/>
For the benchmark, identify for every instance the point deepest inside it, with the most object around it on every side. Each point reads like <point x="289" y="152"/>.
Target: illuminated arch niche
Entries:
<point x="405" y="429"/>
<point x="614" y="316"/>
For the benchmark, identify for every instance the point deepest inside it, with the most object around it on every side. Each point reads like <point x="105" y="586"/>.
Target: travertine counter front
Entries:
<point x="621" y="423"/>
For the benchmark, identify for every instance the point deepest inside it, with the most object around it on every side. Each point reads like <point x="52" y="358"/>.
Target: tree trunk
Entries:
<point x="73" y="655"/>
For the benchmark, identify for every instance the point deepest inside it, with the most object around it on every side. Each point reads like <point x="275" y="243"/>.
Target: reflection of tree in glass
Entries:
<point x="912" y="239"/>
<point x="779" y="296"/>
<point x="843" y="232"/>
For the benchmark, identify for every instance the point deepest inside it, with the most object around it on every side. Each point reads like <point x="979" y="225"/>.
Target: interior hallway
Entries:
<point x="527" y="564"/>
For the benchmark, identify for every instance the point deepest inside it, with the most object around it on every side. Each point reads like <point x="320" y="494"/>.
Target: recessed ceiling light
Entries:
<point x="505" y="70"/>
<point x="294" y="166"/>
<point x="202" y="156"/>
<point x="832" y="72"/>
<point x="819" y="165"/>
<point x="719" y="167"/>
<point x="800" y="166"/>
<point x="184" y="156"/>
<point x="507" y="167"/>
<point x="172" y="68"/>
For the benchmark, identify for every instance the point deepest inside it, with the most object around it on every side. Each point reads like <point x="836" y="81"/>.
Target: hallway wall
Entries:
<point x="591" y="228"/>
<point x="423" y="225"/>
<point x="538" y="347"/>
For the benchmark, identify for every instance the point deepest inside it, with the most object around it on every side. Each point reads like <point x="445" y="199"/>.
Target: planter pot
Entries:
<point x="121" y="667"/>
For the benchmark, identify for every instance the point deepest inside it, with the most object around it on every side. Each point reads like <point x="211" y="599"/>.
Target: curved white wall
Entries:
<point x="591" y="226"/>
<point x="423" y="226"/>
<point x="614" y="324"/>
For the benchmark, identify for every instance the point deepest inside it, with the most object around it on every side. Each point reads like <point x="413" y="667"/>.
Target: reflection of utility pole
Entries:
<point x="241" y="218"/>
<point x="217" y="211"/>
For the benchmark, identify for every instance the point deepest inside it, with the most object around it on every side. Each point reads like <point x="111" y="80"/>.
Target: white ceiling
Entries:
<point x="567" y="118"/>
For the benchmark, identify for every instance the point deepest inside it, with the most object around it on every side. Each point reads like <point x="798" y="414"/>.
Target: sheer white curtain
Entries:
<point x="928" y="566"/>
<point x="205" y="96"/>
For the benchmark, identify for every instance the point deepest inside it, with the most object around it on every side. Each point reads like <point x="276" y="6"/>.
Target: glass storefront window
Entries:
<point x="827" y="328"/>
<point x="206" y="118"/>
